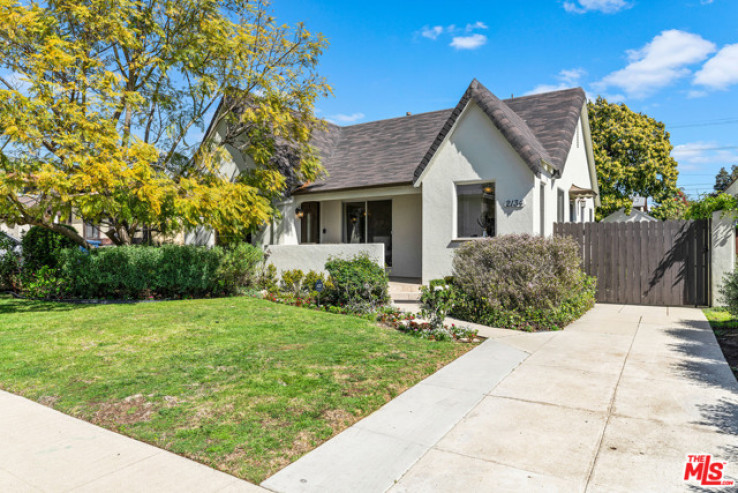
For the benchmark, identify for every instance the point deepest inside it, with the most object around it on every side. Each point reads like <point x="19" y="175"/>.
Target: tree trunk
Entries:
<point x="69" y="232"/>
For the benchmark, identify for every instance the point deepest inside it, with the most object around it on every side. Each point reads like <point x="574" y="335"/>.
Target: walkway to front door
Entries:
<point x="614" y="402"/>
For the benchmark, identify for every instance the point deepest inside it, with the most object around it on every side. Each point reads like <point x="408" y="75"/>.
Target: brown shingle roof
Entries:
<point x="396" y="151"/>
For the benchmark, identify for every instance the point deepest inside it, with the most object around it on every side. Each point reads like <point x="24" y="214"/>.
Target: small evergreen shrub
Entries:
<point x="41" y="247"/>
<point x="357" y="282"/>
<point x="729" y="292"/>
<point x="267" y="278"/>
<point x="521" y="282"/>
<point x="292" y="281"/>
<point x="239" y="266"/>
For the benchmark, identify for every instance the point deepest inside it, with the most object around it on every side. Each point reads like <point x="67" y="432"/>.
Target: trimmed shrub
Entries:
<point x="145" y="272"/>
<point x="357" y="282"/>
<point x="41" y="246"/>
<point x="521" y="282"/>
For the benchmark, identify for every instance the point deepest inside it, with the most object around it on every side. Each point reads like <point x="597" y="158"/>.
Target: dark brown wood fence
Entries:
<point x="648" y="263"/>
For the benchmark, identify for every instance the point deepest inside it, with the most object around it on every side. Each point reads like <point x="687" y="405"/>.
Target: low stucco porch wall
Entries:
<point x="314" y="257"/>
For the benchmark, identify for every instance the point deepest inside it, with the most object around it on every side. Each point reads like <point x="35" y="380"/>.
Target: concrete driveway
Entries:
<point x="615" y="402"/>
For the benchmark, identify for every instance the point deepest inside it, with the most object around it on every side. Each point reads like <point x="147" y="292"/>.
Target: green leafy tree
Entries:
<point x="723" y="179"/>
<point x="675" y="207"/>
<point x="115" y="96"/>
<point x="632" y="156"/>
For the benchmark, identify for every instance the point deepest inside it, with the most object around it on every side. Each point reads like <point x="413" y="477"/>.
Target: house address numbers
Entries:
<point x="514" y="204"/>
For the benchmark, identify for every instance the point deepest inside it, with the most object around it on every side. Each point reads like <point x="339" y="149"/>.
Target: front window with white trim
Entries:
<point x="475" y="205"/>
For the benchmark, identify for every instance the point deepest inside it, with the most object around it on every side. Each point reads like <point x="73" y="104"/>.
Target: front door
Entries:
<point x="379" y="226"/>
<point x="310" y="222"/>
<point x="369" y="222"/>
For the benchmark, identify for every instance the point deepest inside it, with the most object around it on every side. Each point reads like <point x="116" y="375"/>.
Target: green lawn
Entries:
<point x="244" y="385"/>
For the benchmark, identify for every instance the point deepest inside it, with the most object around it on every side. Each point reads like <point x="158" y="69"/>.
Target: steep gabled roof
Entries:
<point x="510" y="124"/>
<point x="396" y="151"/>
<point x="553" y="118"/>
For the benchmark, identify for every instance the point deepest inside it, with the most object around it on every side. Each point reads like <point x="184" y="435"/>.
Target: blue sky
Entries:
<point x="675" y="60"/>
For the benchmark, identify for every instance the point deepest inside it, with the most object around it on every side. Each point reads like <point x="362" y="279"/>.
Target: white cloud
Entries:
<point x="694" y="156"/>
<point x="605" y="6"/>
<point x="721" y="70"/>
<point x="431" y="32"/>
<point x="462" y="42"/>
<point x="694" y="94"/>
<point x="471" y="42"/>
<point x="475" y="26"/>
<point x="659" y="63"/>
<point x="341" y="118"/>
<point x="567" y="78"/>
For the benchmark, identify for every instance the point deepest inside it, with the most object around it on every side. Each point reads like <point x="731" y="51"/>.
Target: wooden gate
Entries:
<point x="647" y="263"/>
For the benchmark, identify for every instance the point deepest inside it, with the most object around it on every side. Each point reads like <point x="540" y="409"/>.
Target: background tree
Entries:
<point x="115" y="95"/>
<point x="675" y="207"/>
<point x="723" y="179"/>
<point x="632" y="156"/>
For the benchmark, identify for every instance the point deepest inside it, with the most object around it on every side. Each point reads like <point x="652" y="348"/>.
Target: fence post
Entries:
<point x="722" y="252"/>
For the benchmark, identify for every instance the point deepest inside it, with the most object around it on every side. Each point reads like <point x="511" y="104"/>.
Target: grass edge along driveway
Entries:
<point x="240" y="384"/>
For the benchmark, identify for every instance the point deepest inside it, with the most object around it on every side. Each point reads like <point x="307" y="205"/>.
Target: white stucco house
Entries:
<point x="416" y="187"/>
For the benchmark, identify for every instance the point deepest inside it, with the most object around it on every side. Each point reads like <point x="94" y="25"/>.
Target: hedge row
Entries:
<point x="145" y="272"/>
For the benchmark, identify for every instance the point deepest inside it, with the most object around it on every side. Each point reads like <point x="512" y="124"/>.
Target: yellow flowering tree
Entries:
<point x="633" y="157"/>
<point x="105" y="107"/>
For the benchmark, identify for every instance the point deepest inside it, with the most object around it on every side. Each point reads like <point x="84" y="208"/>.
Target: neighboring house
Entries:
<point x="640" y="203"/>
<point x="732" y="188"/>
<point x="635" y="216"/>
<point x="88" y="231"/>
<point x="424" y="184"/>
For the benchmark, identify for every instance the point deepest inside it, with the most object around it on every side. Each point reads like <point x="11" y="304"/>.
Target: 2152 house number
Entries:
<point x="515" y="204"/>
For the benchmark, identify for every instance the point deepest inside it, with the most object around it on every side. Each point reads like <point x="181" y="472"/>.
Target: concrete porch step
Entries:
<point x="404" y="295"/>
<point x="398" y="287"/>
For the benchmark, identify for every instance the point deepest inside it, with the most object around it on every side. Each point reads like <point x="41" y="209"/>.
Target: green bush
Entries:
<point x="143" y="272"/>
<point x="358" y="282"/>
<point x="292" y="281"/>
<point x="521" y="282"/>
<point x="45" y="284"/>
<point x="239" y="266"/>
<point x="10" y="264"/>
<point x="729" y="292"/>
<point x="267" y="278"/>
<point x="41" y="246"/>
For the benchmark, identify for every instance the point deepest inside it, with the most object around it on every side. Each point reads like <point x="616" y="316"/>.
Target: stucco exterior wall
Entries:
<point x="475" y="151"/>
<point x="576" y="172"/>
<point x="722" y="256"/>
<point x="314" y="257"/>
<point x="407" y="236"/>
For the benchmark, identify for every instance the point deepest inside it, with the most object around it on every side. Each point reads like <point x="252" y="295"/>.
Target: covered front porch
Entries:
<point x="391" y="217"/>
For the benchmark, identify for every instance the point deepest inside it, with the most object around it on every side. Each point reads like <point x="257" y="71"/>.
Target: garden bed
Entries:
<point x="243" y="385"/>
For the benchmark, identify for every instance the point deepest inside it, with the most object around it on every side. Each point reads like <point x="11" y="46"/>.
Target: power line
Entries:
<point x="707" y="123"/>
<point x="695" y="149"/>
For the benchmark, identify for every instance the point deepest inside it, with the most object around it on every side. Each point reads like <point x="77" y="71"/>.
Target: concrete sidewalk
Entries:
<point x="45" y="450"/>
<point x="614" y="402"/>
